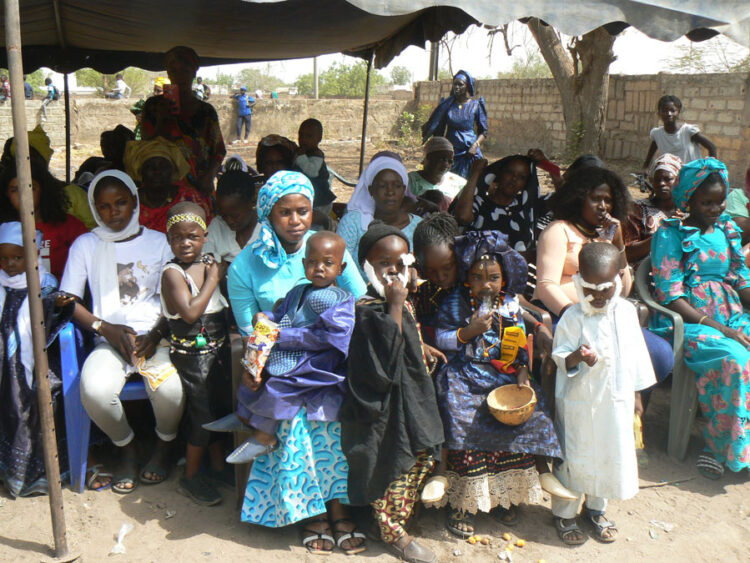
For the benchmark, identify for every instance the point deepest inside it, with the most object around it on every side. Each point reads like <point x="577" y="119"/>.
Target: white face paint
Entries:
<point x="585" y="300"/>
<point x="372" y="277"/>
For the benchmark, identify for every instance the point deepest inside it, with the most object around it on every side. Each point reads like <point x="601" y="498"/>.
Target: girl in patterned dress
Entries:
<point x="491" y="467"/>
<point x="700" y="272"/>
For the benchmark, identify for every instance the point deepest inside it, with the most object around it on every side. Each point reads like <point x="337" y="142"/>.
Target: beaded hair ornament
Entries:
<point x="186" y="217"/>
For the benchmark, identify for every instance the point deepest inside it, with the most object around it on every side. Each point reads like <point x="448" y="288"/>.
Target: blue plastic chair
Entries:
<point x="77" y="421"/>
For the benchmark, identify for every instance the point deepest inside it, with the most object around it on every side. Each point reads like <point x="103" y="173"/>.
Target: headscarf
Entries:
<point x="466" y="77"/>
<point x="160" y="81"/>
<point x="436" y="144"/>
<point x="11" y="233"/>
<point x="284" y="182"/>
<point x="362" y="200"/>
<point x="668" y="162"/>
<point x="474" y="245"/>
<point x="692" y="175"/>
<point x="270" y="141"/>
<point x="39" y="141"/>
<point x="138" y="152"/>
<point x="183" y="53"/>
<point x="105" y="289"/>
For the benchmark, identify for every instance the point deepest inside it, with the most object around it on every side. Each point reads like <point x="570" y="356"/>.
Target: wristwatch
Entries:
<point x="96" y="325"/>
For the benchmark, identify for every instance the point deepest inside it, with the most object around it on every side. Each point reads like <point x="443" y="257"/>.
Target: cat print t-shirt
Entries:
<point x="139" y="265"/>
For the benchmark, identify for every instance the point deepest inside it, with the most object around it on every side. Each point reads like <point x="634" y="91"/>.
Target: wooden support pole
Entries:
<point x="365" y="112"/>
<point x="67" y="129"/>
<point x="38" y="334"/>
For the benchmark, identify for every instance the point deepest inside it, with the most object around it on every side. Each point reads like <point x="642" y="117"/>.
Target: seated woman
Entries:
<point x="233" y="228"/>
<point x="700" y="273"/>
<point x="436" y="174"/>
<point x="647" y="214"/>
<point x="301" y="481"/>
<point x="379" y="195"/>
<point x="22" y="469"/>
<point x="462" y="120"/>
<point x="159" y="167"/>
<point x="588" y="207"/>
<point x="120" y="262"/>
<point x="505" y="197"/>
<point x="58" y="228"/>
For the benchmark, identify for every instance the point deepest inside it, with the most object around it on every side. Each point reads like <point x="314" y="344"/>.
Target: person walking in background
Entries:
<point x="245" y="103"/>
<point x="28" y="89"/>
<point x="4" y="89"/>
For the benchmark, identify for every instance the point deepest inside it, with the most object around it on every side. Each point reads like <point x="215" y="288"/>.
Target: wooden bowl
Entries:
<point x="511" y="404"/>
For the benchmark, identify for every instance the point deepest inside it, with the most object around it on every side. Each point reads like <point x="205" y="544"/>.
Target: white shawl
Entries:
<point x="361" y="199"/>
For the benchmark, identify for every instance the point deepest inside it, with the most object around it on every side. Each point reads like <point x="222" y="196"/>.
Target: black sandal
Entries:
<point x="709" y="467"/>
<point x="564" y="531"/>
<point x="601" y="526"/>
<point x="345" y="535"/>
<point x="457" y="517"/>
<point x="506" y="516"/>
<point x="309" y="536"/>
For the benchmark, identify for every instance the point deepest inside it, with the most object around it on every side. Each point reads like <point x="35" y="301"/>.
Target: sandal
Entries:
<point x="602" y="526"/>
<point x="154" y="468"/>
<point x="310" y="535"/>
<point x="94" y="474"/>
<point x="458" y="517"/>
<point x="413" y="552"/>
<point x="709" y="467"/>
<point x="343" y="535"/>
<point x="125" y="478"/>
<point x="506" y="516"/>
<point x="199" y="490"/>
<point x="570" y="533"/>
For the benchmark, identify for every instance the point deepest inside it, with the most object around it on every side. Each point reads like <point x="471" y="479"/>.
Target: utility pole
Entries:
<point x="315" y="77"/>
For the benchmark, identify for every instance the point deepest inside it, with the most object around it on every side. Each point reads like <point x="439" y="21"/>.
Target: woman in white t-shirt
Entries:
<point x="121" y="262"/>
<point x="680" y="139"/>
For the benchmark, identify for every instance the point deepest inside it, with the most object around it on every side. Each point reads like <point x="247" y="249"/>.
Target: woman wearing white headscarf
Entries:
<point x="121" y="261"/>
<point x="379" y="195"/>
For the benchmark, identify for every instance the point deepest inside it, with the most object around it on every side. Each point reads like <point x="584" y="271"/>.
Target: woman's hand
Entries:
<point x="610" y="230"/>
<point x="477" y="167"/>
<point x="737" y="335"/>
<point x="479" y="324"/>
<point x="543" y="340"/>
<point x="121" y="338"/>
<point x="473" y="148"/>
<point x="522" y="377"/>
<point x="63" y="299"/>
<point x="146" y="344"/>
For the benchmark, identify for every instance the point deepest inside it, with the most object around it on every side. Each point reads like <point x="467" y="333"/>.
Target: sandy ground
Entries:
<point x="708" y="520"/>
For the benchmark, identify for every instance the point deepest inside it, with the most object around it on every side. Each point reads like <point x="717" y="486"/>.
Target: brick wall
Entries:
<point x="528" y="113"/>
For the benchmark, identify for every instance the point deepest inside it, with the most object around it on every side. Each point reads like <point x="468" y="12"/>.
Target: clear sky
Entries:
<point x="636" y="54"/>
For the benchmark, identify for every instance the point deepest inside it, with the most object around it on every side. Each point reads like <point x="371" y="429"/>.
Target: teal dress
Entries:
<point x="708" y="270"/>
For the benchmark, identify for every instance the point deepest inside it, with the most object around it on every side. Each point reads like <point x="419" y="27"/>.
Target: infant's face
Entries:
<point x="601" y="295"/>
<point x="324" y="261"/>
<point x="12" y="260"/>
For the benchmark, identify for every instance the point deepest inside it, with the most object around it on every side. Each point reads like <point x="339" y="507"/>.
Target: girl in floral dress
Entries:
<point x="700" y="272"/>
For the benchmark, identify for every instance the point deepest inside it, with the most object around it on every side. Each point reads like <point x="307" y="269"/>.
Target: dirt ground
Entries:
<point x="708" y="520"/>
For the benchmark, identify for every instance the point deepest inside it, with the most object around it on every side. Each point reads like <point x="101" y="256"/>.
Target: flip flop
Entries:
<point x="124" y="478"/>
<point x="709" y="467"/>
<point x="309" y="536"/>
<point x="154" y="468"/>
<point x="93" y="474"/>
<point x="344" y="535"/>
<point x="564" y="530"/>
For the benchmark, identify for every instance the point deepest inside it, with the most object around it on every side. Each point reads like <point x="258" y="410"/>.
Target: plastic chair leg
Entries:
<point x="682" y="409"/>
<point x="77" y="422"/>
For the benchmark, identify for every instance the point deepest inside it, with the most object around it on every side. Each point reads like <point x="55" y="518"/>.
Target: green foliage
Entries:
<point x="530" y="65"/>
<point x="224" y="79"/>
<point x="36" y="79"/>
<point x="409" y="126"/>
<point x="400" y="76"/>
<point x="140" y="81"/>
<point x="254" y="78"/>
<point x="715" y="55"/>
<point x="444" y="74"/>
<point x="90" y="78"/>
<point x="341" y="80"/>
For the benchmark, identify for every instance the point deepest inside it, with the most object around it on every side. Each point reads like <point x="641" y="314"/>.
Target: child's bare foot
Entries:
<point x="265" y="438"/>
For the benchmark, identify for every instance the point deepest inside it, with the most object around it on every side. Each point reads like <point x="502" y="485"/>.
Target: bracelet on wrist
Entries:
<point x="458" y="337"/>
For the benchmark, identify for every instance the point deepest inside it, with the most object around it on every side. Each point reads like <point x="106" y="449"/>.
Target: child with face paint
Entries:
<point x="602" y="364"/>
<point x="490" y="467"/>
<point x="194" y="307"/>
<point x="390" y="426"/>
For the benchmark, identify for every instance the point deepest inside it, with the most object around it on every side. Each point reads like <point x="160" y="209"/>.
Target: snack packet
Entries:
<point x="258" y="347"/>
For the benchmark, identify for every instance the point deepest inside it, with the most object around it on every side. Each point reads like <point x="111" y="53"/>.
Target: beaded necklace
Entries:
<point x="495" y="307"/>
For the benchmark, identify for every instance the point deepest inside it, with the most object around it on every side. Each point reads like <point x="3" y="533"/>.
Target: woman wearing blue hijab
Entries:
<point x="462" y="120"/>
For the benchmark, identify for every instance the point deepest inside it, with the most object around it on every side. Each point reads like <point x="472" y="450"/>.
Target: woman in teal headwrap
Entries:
<point x="305" y="477"/>
<point x="462" y="120"/>
<point x="700" y="272"/>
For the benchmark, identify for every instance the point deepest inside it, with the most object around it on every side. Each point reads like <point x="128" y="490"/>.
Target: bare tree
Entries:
<point x="581" y="72"/>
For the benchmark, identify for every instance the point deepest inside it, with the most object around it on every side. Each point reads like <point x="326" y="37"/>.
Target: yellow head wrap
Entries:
<point x="160" y="81"/>
<point x="138" y="152"/>
<point x="39" y="141"/>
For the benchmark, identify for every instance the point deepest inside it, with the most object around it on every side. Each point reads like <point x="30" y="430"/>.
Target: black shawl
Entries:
<point x="390" y="411"/>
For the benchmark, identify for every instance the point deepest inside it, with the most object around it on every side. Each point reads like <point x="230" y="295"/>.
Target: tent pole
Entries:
<point x="365" y="112"/>
<point x="67" y="129"/>
<point x="41" y="365"/>
<point x="315" y="77"/>
<point x="434" y="54"/>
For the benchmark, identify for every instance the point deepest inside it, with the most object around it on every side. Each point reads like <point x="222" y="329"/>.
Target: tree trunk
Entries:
<point x="581" y="72"/>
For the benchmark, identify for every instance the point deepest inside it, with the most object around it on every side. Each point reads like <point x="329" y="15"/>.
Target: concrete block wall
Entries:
<point x="526" y="113"/>
<point x="54" y="126"/>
